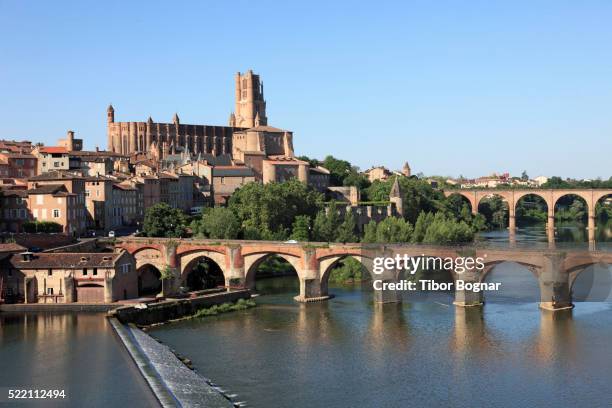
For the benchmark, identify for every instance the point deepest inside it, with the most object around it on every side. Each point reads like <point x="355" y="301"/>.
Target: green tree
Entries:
<point x="217" y="223"/>
<point x="338" y="170"/>
<point x="446" y="231"/>
<point x="524" y="175"/>
<point x="301" y="228"/>
<point x="346" y="230"/>
<point x="369" y="233"/>
<point x="268" y="211"/>
<point x="326" y="224"/>
<point x="161" y="220"/>
<point x="349" y="270"/>
<point x="393" y="229"/>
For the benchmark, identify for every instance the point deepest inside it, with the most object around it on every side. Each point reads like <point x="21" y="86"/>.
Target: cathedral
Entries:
<point x="247" y="139"/>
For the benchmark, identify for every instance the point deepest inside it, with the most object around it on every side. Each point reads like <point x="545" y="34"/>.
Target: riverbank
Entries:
<point x="172" y="382"/>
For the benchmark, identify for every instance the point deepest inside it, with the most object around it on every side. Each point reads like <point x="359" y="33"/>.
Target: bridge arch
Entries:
<point x="149" y="255"/>
<point x="496" y="212"/>
<point x="252" y="262"/>
<point x="563" y="199"/>
<point x="149" y="279"/>
<point x="202" y="270"/>
<point x="514" y="283"/>
<point x="531" y="208"/>
<point x="586" y="284"/>
<point x="329" y="263"/>
<point x="466" y="198"/>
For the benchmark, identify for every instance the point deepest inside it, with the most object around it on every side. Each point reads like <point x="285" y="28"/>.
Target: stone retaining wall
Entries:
<point x="175" y="308"/>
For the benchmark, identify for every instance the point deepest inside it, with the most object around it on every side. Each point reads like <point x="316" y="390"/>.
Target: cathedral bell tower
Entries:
<point x="250" y="102"/>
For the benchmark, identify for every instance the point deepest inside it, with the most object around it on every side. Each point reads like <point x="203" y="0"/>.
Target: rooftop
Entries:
<point x="44" y="260"/>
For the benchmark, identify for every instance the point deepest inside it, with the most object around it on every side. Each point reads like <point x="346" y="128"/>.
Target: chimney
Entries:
<point x="27" y="256"/>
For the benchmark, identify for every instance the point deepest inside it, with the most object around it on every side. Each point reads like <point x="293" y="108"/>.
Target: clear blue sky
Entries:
<point x="453" y="87"/>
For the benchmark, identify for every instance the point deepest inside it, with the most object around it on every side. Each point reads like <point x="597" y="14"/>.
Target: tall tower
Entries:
<point x="110" y="118"/>
<point x="250" y="102"/>
<point x="110" y="114"/>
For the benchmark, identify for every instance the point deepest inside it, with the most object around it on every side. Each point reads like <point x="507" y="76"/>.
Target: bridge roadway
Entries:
<point x="555" y="270"/>
<point x="551" y="196"/>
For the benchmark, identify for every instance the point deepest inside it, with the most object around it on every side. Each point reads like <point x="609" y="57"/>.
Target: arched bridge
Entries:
<point x="551" y="196"/>
<point x="238" y="260"/>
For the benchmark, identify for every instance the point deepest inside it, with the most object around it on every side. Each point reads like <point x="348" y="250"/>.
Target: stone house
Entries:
<point x="71" y="277"/>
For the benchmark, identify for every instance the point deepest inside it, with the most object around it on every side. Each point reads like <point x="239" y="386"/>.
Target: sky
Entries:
<point x="452" y="87"/>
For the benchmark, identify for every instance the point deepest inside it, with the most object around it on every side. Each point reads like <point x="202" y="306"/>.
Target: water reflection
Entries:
<point x="566" y="234"/>
<point x="75" y="352"/>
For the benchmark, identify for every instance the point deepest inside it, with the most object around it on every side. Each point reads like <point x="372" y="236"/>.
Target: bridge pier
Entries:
<point x="312" y="288"/>
<point x="555" y="291"/>
<point x="235" y="276"/>
<point x="311" y="291"/>
<point x="171" y="285"/>
<point x="468" y="298"/>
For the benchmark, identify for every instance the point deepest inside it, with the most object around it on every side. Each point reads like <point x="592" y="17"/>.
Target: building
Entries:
<point x="54" y="203"/>
<point x="9" y="284"/>
<point x="124" y="204"/>
<point x="71" y="277"/>
<point x="378" y="173"/>
<point x="51" y="158"/>
<point x="74" y="185"/>
<point x="17" y="165"/>
<point x="226" y="179"/>
<point x="14" y="209"/>
<point x="99" y="202"/>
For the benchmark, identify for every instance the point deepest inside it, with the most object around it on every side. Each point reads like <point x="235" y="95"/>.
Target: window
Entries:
<point x="84" y="271"/>
<point x="56" y="164"/>
<point x="56" y="213"/>
<point x="49" y="291"/>
<point x="87" y="193"/>
<point x="125" y="268"/>
<point x="95" y="271"/>
<point x="49" y="272"/>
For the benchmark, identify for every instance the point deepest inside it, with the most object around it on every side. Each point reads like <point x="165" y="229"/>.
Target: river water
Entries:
<point x="425" y="352"/>
<point x="78" y="353"/>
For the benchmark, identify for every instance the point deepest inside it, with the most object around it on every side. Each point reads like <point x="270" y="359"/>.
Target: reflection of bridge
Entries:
<point x="555" y="271"/>
<point x="512" y="197"/>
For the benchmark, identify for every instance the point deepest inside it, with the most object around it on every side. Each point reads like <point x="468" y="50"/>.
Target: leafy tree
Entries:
<point x="346" y="230"/>
<point x="217" y="223"/>
<point x="338" y="169"/>
<point x="369" y="233"/>
<point x="446" y="231"/>
<point x="326" y="224"/>
<point x="301" y="228"/>
<point x="393" y="229"/>
<point x="349" y="270"/>
<point x="268" y="211"/>
<point x="524" y="175"/>
<point x="161" y="220"/>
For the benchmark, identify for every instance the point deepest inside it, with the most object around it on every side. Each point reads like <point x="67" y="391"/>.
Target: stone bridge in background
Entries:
<point x="550" y="196"/>
<point x="554" y="270"/>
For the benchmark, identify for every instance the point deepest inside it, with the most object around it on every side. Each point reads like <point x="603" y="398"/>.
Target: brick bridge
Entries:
<point x="550" y="196"/>
<point x="555" y="270"/>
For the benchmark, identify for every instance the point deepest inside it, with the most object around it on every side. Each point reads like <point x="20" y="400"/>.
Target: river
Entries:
<point x="350" y="352"/>
<point x="78" y="353"/>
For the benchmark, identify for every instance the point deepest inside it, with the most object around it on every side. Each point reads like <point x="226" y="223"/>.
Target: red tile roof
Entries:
<point x="53" y="149"/>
